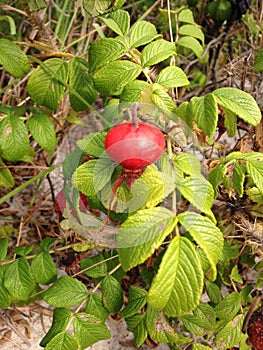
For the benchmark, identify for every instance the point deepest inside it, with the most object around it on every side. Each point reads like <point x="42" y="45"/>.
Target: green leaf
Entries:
<point x="239" y="178"/>
<point x="92" y="176"/>
<point x="162" y="100"/>
<point x="206" y="235"/>
<point x="199" y="192"/>
<point x="112" y="294"/>
<point x="230" y="122"/>
<point x="98" y="7"/>
<point x="43" y="268"/>
<point x="133" y="321"/>
<point x="160" y="329"/>
<point x="104" y="51"/>
<point x="93" y="144"/>
<point x="227" y="309"/>
<point x="3" y="248"/>
<point x="62" y="341"/>
<point x="45" y="84"/>
<point x="5" y="299"/>
<point x="47" y="243"/>
<point x="172" y="77"/>
<point x="142" y="233"/>
<point x="13" y="59"/>
<point x="217" y="175"/>
<point x="201" y="347"/>
<point x="95" y="306"/>
<point x="36" y="5"/>
<point x="132" y="91"/>
<point x="140" y="333"/>
<point x="6" y="178"/>
<point x="192" y="30"/>
<point x="118" y="21"/>
<point x="65" y="291"/>
<point x="100" y="268"/>
<point x="186" y="16"/>
<point x="178" y="285"/>
<point x="205" y="113"/>
<point x="235" y="276"/>
<point x="258" y="65"/>
<point x="137" y="298"/>
<point x="83" y="178"/>
<point x="255" y="171"/>
<point x="202" y="319"/>
<point x="240" y="103"/>
<point x="142" y="33"/>
<point x="231" y="334"/>
<point x="213" y="292"/>
<point x="14" y="141"/>
<point x="23" y="250"/>
<point x="18" y="279"/>
<point x="43" y="131"/>
<point x="61" y="320"/>
<point x="81" y="81"/>
<point x="112" y="77"/>
<point x="156" y="52"/>
<point x="188" y="163"/>
<point x="89" y="330"/>
<point x="192" y="44"/>
<point x="71" y="162"/>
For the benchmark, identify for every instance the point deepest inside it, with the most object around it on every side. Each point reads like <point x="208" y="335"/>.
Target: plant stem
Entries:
<point x="134" y="115"/>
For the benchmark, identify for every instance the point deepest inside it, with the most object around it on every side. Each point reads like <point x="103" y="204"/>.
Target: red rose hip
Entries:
<point x="134" y="146"/>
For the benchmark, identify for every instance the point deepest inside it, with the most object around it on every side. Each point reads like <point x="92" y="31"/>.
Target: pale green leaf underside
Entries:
<point x="206" y="234"/>
<point x="112" y="77"/>
<point x="142" y="233"/>
<point x="178" y="285"/>
<point x="240" y="103"/>
<point x="172" y="77"/>
<point x="44" y="86"/>
<point x="156" y="52"/>
<point x="192" y="30"/>
<point x="186" y="16"/>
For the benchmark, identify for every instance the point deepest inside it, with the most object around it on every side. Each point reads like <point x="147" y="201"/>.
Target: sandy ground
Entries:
<point x="121" y="337"/>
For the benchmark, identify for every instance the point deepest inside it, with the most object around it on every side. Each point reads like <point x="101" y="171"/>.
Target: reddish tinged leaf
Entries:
<point x="61" y="202"/>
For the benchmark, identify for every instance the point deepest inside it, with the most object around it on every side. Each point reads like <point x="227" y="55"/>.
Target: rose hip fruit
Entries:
<point x="255" y="329"/>
<point x="134" y="146"/>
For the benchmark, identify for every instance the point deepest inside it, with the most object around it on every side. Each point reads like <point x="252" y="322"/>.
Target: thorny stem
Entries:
<point x="170" y="155"/>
